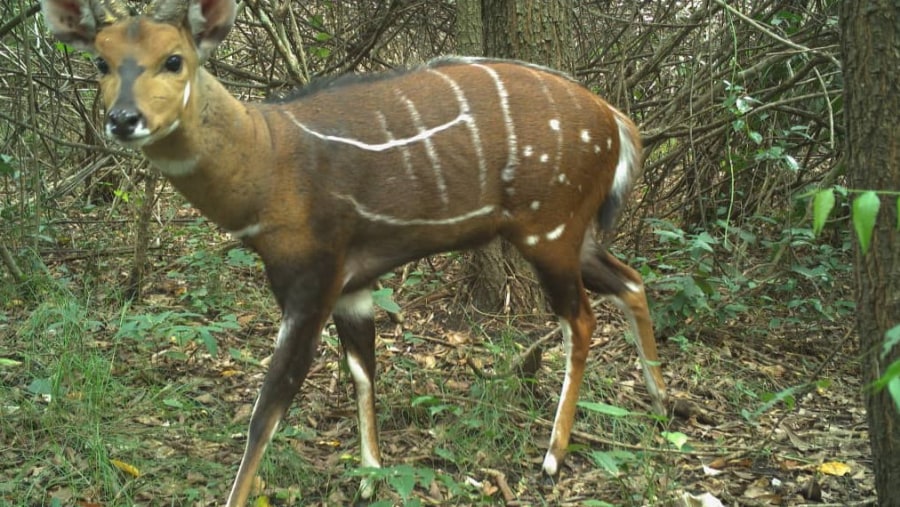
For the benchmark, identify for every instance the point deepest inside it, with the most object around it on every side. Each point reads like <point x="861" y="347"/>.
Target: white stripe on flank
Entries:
<point x="465" y="109"/>
<point x="512" y="159"/>
<point x="421" y="136"/>
<point x="404" y="150"/>
<point x="429" y="146"/>
<point x="406" y="222"/>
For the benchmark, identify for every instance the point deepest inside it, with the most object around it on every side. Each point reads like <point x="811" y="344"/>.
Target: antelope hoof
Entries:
<point x="551" y="465"/>
<point x="366" y="490"/>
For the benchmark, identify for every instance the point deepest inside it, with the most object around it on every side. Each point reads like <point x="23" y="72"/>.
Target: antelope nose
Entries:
<point x="123" y="123"/>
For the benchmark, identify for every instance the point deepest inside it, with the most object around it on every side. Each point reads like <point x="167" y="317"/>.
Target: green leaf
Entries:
<point x="172" y="402"/>
<point x="865" y="211"/>
<point x="891" y="338"/>
<point x="40" y="386"/>
<point x="403" y="481"/>
<point x="823" y="203"/>
<point x="6" y="165"/>
<point x="9" y="362"/>
<point x="894" y="389"/>
<point x="603" y="408"/>
<point x="607" y="462"/>
<point x="676" y="438"/>
<point x="898" y="213"/>
<point x="384" y="299"/>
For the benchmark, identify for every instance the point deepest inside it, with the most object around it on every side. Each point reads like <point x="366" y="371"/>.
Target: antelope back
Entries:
<point x="522" y="149"/>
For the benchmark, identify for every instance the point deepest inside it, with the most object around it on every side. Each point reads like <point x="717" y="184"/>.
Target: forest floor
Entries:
<point x="108" y="404"/>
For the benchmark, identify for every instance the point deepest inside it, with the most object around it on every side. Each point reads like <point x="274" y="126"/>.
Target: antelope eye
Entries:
<point x="173" y="63"/>
<point x="102" y="66"/>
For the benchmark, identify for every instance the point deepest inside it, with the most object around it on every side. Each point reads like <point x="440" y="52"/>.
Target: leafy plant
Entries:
<point x="180" y="327"/>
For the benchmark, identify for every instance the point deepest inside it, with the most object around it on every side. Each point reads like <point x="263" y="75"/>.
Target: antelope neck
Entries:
<point x="212" y="157"/>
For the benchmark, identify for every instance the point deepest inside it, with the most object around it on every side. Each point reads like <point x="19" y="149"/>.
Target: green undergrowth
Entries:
<point x="123" y="404"/>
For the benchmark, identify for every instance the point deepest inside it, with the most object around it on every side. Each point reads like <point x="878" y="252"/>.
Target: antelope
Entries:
<point x="356" y="176"/>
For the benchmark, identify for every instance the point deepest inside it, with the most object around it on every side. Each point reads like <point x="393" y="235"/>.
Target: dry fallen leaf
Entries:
<point x="704" y="500"/>
<point x="126" y="467"/>
<point x="835" y="468"/>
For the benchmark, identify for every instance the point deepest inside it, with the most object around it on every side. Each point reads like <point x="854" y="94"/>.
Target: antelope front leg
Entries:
<point x="353" y="318"/>
<point x="304" y="312"/>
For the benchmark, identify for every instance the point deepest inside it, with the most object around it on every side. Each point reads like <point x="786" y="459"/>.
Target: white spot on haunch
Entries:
<point x="633" y="287"/>
<point x="527" y="151"/>
<point x="554" y="124"/>
<point x="562" y="178"/>
<point x="608" y="143"/>
<point x="544" y="158"/>
<point x="535" y="205"/>
<point x="556" y="233"/>
<point x="532" y="240"/>
<point x="585" y="136"/>
<point x="596" y="148"/>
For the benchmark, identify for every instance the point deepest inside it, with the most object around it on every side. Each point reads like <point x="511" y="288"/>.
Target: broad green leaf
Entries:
<point x="894" y="389"/>
<point x="384" y="299"/>
<point x="891" y="338"/>
<point x="676" y="438"/>
<point x="172" y="402"/>
<point x="823" y="203"/>
<point x="40" y="386"/>
<point x="865" y="211"/>
<point x="891" y="373"/>
<point x="603" y="408"/>
<point x="607" y="462"/>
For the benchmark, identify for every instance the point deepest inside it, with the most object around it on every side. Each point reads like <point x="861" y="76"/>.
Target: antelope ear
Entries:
<point x="209" y="22"/>
<point x="71" y="21"/>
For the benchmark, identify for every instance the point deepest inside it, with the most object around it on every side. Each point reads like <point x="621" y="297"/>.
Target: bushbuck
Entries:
<point x="358" y="175"/>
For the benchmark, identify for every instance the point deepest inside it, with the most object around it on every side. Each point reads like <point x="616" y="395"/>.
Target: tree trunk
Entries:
<point x="870" y="45"/>
<point x="538" y="32"/>
<point x="469" y="28"/>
